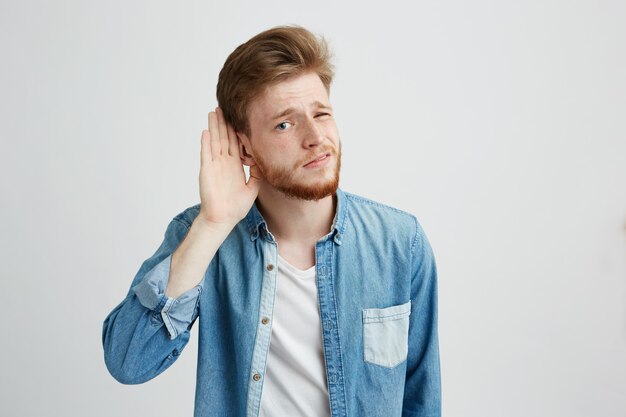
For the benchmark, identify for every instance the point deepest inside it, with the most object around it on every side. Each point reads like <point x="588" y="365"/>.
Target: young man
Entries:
<point x="312" y="301"/>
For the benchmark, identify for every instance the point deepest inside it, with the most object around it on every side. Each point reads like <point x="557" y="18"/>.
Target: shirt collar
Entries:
<point x="256" y="223"/>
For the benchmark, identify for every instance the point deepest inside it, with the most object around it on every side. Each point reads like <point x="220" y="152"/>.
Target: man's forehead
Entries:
<point x="305" y="91"/>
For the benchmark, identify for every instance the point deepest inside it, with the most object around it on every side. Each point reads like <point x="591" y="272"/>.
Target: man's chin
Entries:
<point x="310" y="192"/>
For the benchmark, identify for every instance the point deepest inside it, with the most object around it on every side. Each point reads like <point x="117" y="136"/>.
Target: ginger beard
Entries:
<point x="284" y="179"/>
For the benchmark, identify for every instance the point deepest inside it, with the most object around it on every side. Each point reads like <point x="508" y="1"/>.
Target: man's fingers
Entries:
<point x="233" y="144"/>
<point x="205" y="147"/>
<point x="216" y="148"/>
<point x="222" y="129"/>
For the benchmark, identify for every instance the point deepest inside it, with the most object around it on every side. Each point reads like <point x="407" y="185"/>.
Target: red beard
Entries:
<point x="282" y="178"/>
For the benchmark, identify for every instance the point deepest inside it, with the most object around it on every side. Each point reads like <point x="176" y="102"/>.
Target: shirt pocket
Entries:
<point x="386" y="334"/>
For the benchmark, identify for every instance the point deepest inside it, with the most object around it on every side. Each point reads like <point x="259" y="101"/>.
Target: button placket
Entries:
<point x="330" y="332"/>
<point x="266" y="308"/>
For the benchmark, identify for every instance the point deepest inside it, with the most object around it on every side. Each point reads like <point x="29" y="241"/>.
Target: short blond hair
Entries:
<point x="271" y="56"/>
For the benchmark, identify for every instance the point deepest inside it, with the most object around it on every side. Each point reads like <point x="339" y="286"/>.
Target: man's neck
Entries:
<point x="291" y="219"/>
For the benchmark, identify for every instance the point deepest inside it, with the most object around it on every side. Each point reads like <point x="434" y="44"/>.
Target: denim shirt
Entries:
<point x="377" y="293"/>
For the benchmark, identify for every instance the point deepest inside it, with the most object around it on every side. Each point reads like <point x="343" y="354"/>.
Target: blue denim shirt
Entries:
<point x="377" y="293"/>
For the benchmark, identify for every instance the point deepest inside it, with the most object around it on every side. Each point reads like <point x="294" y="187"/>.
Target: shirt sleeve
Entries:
<point x="176" y="314"/>
<point x="422" y="393"/>
<point x="147" y="331"/>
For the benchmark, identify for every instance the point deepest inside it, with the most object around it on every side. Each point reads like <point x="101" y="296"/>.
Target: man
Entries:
<point x="312" y="301"/>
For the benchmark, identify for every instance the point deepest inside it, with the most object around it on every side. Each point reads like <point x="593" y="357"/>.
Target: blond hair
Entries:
<point x="271" y="56"/>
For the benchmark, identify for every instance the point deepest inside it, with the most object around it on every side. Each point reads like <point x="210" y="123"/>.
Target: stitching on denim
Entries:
<point x="347" y="220"/>
<point x="161" y="303"/>
<point x="346" y="210"/>
<point x="343" y="369"/>
<point x="418" y="236"/>
<point x="385" y="366"/>
<point x="181" y="216"/>
<point x="196" y="309"/>
<point x="182" y="221"/>
<point x="389" y="317"/>
<point x="174" y="330"/>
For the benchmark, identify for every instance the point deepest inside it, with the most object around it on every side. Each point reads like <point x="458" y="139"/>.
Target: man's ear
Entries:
<point x="244" y="149"/>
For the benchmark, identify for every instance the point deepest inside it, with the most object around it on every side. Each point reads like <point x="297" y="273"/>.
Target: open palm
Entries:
<point x="225" y="196"/>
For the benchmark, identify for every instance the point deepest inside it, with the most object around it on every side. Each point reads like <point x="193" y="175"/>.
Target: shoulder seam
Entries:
<point x="376" y="203"/>
<point x="417" y="235"/>
<point x="180" y="218"/>
<point x="181" y="221"/>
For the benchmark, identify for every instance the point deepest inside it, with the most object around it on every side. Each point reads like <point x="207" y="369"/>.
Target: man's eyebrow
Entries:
<point x="316" y="104"/>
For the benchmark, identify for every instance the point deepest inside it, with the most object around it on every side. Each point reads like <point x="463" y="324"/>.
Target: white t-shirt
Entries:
<point x="295" y="377"/>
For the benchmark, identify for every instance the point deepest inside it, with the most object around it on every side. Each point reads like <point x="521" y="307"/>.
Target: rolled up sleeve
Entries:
<point x="177" y="313"/>
<point x="147" y="331"/>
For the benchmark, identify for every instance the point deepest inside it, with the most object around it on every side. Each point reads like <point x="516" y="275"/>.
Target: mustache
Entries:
<point x="309" y="157"/>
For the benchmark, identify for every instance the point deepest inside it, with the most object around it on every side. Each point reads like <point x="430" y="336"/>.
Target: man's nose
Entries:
<point x="313" y="135"/>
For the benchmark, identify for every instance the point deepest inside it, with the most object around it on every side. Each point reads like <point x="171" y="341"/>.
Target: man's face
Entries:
<point x="294" y="139"/>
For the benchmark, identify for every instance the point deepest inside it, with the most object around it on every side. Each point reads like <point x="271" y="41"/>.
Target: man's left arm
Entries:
<point x="422" y="392"/>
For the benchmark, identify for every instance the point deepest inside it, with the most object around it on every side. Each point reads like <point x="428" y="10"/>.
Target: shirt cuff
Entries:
<point x="177" y="313"/>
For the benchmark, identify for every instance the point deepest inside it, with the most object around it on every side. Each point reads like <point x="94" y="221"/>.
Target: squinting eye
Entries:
<point x="281" y="124"/>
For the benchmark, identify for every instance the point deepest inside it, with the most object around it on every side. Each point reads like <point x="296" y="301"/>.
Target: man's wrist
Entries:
<point x="219" y="228"/>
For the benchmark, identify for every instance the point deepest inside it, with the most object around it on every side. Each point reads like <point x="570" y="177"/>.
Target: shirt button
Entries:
<point x="256" y="377"/>
<point x="270" y="267"/>
<point x="265" y="320"/>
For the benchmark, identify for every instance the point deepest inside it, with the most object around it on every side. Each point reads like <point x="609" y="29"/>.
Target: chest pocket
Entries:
<point x="386" y="334"/>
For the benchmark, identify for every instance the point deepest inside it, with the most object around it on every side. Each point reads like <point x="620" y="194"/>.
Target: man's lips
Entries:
<point x="319" y="158"/>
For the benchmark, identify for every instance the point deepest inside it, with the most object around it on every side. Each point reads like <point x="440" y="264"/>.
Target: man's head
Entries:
<point x="267" y="58"/>
<point x="284" y="68"/>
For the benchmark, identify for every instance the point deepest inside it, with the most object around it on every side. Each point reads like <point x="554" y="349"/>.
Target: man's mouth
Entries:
<point x="320" y="158"/>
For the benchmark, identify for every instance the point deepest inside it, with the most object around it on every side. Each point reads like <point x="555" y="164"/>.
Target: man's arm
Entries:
<point x="193" y="256"/>
<point x="225" y="199"/>
<point x="147" y="331"/>
<point x="422" y="393"/>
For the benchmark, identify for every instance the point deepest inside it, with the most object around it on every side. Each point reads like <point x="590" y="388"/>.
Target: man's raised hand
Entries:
<point x="225" y="197"/>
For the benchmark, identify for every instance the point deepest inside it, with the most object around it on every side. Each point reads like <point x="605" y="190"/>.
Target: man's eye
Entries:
<point x="281" y="126"/>
<point x="322" y="114"/>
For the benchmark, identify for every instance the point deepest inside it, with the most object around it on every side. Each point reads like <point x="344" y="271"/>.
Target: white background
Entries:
<point x="499" y="124"/>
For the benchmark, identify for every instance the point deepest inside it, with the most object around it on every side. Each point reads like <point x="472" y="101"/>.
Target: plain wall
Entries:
<point x="499" y="124"/>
